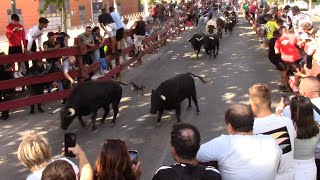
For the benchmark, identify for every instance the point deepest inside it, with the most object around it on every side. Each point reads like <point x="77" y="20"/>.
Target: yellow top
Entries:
<point x="270" y="27"/>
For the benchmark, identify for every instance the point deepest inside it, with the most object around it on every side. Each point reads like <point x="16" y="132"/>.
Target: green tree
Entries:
<point x="60" y="5"/>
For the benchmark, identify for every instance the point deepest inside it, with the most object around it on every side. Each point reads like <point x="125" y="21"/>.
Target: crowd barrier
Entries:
<point x="159" y="38"/>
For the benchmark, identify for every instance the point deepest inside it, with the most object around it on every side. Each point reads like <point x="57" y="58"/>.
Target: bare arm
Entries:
<point x="86" y="172"/>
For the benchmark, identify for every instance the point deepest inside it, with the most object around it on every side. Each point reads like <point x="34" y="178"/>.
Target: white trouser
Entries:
<point x="305" y="169"/>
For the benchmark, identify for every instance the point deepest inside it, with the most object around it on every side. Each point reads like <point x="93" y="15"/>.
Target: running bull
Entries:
<point x="172" y="92"/>
<point x="88" y="98"/>
<point x="197" y="42"/>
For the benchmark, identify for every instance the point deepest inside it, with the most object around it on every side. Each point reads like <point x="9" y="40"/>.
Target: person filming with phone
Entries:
<point x="114" y="162"/>
<point x="309" y="87"/>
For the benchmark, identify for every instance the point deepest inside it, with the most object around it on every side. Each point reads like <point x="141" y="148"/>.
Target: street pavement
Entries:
<point x="241" y="62"/>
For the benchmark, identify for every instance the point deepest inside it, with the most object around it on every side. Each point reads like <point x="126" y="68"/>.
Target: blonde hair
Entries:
<point x="34" y="151"/>
<point x="260" y="95"/>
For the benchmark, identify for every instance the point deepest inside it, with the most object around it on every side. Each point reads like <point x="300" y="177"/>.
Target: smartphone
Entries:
<point x="69" y="141"/>
<point x="133" y="156"/>
<point x="285" y="97"/>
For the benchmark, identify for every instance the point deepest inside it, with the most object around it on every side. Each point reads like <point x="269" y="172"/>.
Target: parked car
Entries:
<point x="301" y="4"/>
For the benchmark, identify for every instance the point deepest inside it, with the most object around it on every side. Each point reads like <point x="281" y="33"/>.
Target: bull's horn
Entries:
<point x="163" y="97"/>
<point x="201" y="39"/>
<point x="189" y="39"/>
<point x="71" y="111"/>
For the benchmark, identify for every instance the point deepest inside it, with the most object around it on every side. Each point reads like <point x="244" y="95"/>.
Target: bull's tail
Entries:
<point x="122" y="83"/>
<point x="201" y="78"/>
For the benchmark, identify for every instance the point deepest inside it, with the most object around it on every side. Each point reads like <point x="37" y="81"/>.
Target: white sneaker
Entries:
<point x="15" y="75"/>
<point x="20" y="74"/>
<point x="94" y="77"/>
<point x="105" y="71"/>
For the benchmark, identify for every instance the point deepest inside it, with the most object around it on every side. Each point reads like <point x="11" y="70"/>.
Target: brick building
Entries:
<point x="80" y="12"/>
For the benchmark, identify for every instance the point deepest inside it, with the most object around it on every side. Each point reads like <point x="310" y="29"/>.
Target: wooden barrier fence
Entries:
<point x="81" y="72"/>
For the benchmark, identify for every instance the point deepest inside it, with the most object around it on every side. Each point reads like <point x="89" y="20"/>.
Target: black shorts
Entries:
<point x="293" y="66"/>
<point x="15" y="49"/>
<point x="119" y="34"/>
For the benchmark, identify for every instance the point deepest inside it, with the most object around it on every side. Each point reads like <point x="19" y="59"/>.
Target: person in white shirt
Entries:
<point x="280" y="128"/>
<point x="120" y="26"/>
<point x="298" y="18"/>
<point x="242" y="155"/>
<point x="35" y="33"/>
<point x="34" y="152"/>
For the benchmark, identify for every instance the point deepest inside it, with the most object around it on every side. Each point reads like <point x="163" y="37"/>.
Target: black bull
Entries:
<point x="197" y="42"/>
<point x="211" y="45"/>
<point x="172" y="92"/>
<point x="87" y="98"/>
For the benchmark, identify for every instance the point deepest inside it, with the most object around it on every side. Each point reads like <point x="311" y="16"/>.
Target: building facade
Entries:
<point x="80" y="12"/>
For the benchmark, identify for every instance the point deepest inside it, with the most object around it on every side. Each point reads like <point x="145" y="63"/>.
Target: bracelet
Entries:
<point x="279" y="108"/>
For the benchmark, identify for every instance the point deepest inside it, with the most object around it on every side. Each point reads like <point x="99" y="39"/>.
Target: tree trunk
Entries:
<point x="310" y="4"/>
<point x="64" y="18"/>
<point x="146" y="8"/>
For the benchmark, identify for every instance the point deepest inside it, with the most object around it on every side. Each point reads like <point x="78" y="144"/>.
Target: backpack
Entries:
<point x="189" y="172"/>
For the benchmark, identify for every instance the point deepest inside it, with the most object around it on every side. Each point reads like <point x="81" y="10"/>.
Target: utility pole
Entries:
<point x="13" y="6"/>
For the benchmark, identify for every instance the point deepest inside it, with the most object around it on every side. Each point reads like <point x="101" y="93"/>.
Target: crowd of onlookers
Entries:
<point x="259" y="144"/>
<point x="291" y="37"/>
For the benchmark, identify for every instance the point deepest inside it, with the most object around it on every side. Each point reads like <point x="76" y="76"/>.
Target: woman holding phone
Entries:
<point x="114" y="162"/>
<point x="307" y="137"/>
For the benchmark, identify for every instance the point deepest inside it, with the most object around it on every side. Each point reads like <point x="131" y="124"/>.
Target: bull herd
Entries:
<point x="87" y="98"/>
<point x="168" y="95"/>
<point x="211" y="42"/>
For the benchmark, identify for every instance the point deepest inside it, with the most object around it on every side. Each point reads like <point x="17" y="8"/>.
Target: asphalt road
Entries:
<point x="240" y="63"/>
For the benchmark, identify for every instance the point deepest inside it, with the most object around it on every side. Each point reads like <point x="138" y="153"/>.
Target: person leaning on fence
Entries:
<point x="6" y="94"/>
<point x="50" y="45"/>
<point x="86" y="38"/>
<point x="35" y="33"/>
<point x="120" y="27"/>
<point x="34" y="152"/>
<point x="106" y="21"/>
<point x="95" y="55"/>
<point x="15" y="34"/>
<point x="185" y="143"/>
<point x="62" y="38"/>
<point x="140" y="33"/>
<point x="67" y="66"/>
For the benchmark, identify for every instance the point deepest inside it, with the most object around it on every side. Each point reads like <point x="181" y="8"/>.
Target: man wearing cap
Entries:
<point x="35" y="33"/>
<point x="15" y="34"/>
<point x="106" y="22"/>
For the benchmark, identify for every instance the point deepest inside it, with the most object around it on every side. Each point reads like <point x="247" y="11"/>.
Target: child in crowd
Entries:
<point x="271" y="26"/>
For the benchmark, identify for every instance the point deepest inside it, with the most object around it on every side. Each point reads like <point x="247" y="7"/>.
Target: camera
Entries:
<point x="69" y="141"/>
<point x="285" y="97"/>
<point x="133" y="156"/>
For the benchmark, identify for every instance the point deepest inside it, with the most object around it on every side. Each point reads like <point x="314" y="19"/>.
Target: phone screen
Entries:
<point x="69" y="141"/>
<point x="286" y="99"/>
<point x="133" y="156"/>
